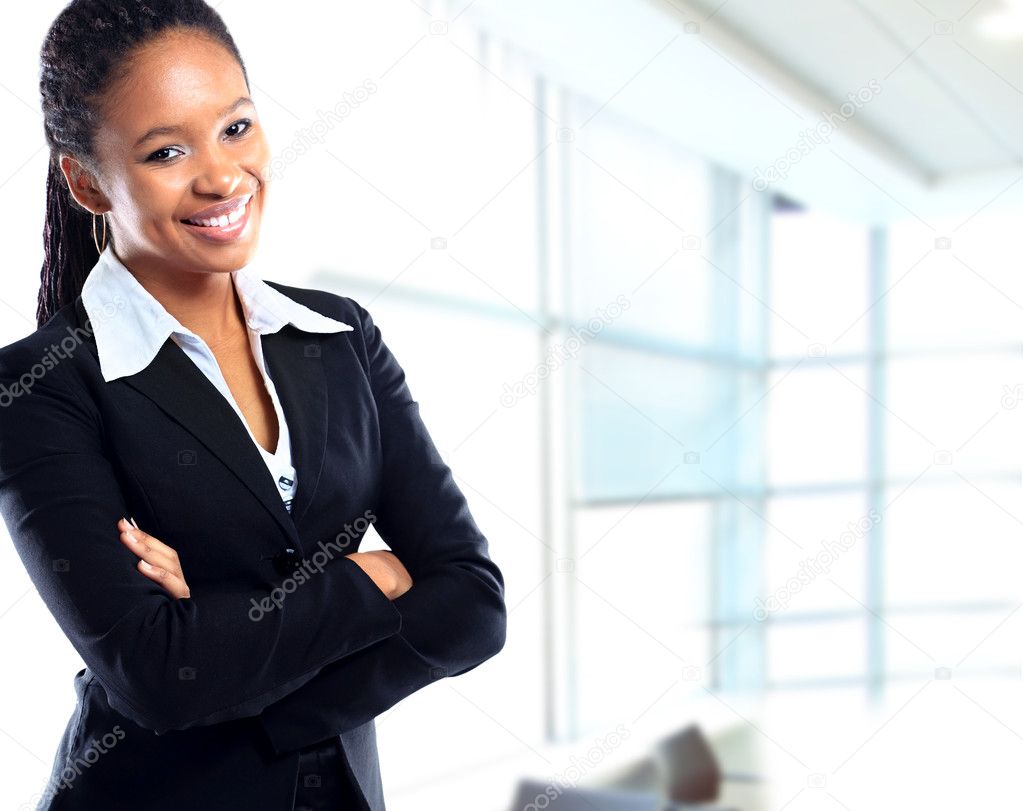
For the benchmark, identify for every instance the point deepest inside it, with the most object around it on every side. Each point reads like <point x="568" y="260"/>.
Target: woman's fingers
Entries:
<point x="143" y="545"/>
<point x="150" y="542"/>
<point x="159" y="562"/>
<point x="172" y="583"/>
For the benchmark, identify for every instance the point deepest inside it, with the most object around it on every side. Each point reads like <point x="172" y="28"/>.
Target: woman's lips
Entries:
<point x="227" y="233"/>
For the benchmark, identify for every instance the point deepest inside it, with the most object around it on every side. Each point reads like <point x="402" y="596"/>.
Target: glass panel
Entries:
<point x="642" y="594"/>
<point x="957" y="286"/>
<point x="958" y="412"/>
<point x="643" y="413"/>
<point x="816" y="553"/>
<point x="952" y="543"/>
<point x="639" y="210"/>
<point x="920" y="643"/>
<point x="819" y="284"/>
<point x="814" y="650"/>
<point x="817" y="424"/>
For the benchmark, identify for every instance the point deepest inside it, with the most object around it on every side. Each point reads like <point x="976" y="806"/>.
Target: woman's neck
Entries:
<point x="205" y="303"/>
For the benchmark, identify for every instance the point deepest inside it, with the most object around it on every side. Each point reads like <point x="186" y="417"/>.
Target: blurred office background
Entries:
<point x="714" y="308"/>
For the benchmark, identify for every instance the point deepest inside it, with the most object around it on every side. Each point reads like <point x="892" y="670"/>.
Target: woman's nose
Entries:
<point x="219" y="175"/>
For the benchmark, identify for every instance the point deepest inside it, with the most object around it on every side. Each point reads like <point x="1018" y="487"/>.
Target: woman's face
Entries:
<point x="209" y="149"/>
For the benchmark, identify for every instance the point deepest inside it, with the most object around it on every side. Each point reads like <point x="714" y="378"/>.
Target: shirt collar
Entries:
<point x="131" y="326"/>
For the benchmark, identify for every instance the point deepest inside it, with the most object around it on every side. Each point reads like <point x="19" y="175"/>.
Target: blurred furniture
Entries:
<point x="534" y="794"/>
<point x="691" y="771"/>
<point x="686" y="768"/>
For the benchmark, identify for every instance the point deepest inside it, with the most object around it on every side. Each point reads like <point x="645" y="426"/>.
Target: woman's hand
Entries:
<point x="389" y="574"/>
<point x="158" y="562"/>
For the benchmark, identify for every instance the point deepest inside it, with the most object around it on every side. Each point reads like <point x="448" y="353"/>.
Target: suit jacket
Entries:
<point x="205" y="702"/>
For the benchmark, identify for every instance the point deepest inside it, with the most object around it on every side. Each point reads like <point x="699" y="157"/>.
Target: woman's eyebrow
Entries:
<point x="169" y="129"/>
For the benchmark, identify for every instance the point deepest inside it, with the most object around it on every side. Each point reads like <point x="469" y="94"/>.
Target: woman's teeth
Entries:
<point x="223" y="220"/>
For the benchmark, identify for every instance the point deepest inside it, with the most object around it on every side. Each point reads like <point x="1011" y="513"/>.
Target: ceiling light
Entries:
<point x="1005" y="23"/>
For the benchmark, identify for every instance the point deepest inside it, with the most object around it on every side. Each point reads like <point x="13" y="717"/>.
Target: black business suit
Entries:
<point x="195" y="703"/>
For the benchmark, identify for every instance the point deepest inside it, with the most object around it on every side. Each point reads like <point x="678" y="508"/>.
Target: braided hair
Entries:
<point x="85" y="52"/>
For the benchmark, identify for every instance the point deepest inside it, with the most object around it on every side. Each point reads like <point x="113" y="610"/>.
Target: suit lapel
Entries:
<point x="294" y="363"/>
<point x="184" y="393"/>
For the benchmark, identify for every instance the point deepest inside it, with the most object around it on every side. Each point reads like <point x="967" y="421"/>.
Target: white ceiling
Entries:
<point x="740" y="80"/>
<point x="952" y="98"/>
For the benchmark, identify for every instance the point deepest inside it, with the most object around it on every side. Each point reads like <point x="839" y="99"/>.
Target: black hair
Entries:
<point x="87" y="50"/>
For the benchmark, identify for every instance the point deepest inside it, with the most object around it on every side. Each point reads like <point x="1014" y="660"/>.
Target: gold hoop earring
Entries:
<point x="96" y="241"/>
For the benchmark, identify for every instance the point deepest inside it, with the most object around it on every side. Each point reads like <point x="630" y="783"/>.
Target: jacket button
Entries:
<point x="287" y="561"/>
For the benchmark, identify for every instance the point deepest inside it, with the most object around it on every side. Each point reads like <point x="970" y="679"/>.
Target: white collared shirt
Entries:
<point x="128" y="342"/>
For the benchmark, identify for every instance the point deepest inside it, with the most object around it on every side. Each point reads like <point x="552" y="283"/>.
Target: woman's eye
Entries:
<point x="156" y="155"/>
<point x="244" y="121"/>
<point x="160" y="155"/>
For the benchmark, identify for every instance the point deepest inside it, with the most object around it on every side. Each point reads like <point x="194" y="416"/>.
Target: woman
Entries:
<point x="237" y="649"/>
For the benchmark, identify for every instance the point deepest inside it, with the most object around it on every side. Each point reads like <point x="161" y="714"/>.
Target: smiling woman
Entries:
<point x="168" y="164"/>
<point x="255" y="430"/>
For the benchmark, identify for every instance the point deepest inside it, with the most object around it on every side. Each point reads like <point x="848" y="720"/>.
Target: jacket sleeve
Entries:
<point x="165" y="663"/>
<point x="453" y="617"/>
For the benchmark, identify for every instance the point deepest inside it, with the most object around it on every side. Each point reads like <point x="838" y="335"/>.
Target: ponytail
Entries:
<point x="68" y="247"/>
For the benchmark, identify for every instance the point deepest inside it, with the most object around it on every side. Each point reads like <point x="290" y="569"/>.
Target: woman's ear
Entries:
<point x="83" y="186"/>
